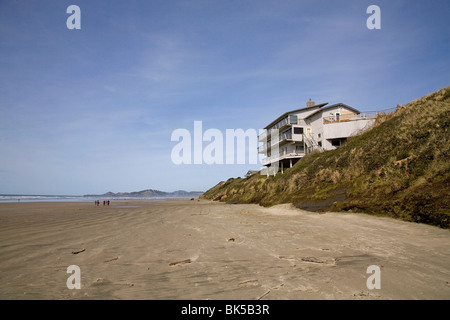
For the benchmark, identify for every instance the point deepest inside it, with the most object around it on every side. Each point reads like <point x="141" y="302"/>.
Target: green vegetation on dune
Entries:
<point x="398" y="168"/>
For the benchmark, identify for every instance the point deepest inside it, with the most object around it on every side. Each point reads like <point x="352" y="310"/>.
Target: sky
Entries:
<point x="92" y="110"/>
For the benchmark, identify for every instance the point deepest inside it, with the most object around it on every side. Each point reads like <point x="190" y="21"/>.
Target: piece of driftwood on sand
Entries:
<point x="180" y="262"/>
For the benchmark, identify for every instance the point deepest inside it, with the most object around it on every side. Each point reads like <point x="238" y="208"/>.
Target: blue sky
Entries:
<point x="93" y="110"/>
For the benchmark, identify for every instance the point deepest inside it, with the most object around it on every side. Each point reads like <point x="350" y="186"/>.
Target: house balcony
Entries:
<point x="281" y="156"/>
<point x="263" y="148"/>
<point x="350" y="117"/>
<point x="283" y="139"/>
<point x="268" y="135"/>
<point x="288" y="137"/>
<point x="280" y="126"/>
<point x="285" y="123"/>
<point x="263" y="136"/>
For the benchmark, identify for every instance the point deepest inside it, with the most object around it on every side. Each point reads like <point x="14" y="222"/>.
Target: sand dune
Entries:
<point x="184" y="249"/>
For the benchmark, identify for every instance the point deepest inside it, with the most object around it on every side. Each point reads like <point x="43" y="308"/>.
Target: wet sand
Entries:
<point x="185" y="249"/>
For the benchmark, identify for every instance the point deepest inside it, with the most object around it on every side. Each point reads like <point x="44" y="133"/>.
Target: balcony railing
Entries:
<point x="263" y="148"/>
<point x="263" y="136"/>
<point x="289" y="120"/>
<point x="281" y="156"/>
<point x="267" y="134"/>
<point x="360" y="116"/>
<point x="285" y="136"/>
<point x="282" y="139"/>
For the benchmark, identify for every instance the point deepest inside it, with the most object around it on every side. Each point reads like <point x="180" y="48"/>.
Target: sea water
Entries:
<point x="40" y="198"/>
<point x="68" y="198"/>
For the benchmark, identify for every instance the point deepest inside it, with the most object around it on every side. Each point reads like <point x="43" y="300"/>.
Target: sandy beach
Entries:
<point x="197" y="249"/>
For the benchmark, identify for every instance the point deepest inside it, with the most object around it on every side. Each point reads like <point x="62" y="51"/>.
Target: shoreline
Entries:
<point x="77" y="199"/>
<point x="184" y="249"/>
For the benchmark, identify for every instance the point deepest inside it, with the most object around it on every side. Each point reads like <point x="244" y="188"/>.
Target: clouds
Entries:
<point x="76" y="105"/>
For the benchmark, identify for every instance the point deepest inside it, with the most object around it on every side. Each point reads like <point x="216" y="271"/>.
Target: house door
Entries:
<point x="308" y="133"/>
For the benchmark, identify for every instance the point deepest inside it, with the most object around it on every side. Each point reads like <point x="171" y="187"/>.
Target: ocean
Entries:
<point x="67" y="198"/>
<point x="40" y="198"/>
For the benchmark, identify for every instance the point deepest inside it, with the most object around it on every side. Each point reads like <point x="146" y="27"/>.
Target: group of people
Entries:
<point x="105" y="202"/>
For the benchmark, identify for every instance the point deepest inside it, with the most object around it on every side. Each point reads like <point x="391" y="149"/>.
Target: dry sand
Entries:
<point x="186" y="249"/>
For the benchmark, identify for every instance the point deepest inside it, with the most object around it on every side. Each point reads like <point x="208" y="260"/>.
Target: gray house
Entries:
<point x="316" y="127"/>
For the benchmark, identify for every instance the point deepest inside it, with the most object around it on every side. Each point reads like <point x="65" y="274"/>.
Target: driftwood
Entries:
<point x="116" y="258"/>
<point x="79" y="251"/>
<point x="180" y="262"/>
<point x="265" y="294"/>
<point x="252" y="281"/>
<point x="287" y="257"/>
<point x="326" y="260"/>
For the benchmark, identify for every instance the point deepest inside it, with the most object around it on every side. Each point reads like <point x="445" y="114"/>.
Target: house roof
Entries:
<point x="295" y="111"/>
<point x="334" y="106"/>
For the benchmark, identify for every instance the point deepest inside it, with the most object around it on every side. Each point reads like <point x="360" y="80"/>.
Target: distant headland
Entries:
<point x="149" y="193"/>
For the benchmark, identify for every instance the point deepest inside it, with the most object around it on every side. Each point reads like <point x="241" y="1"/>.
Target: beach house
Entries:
<point x="295" y="133"/>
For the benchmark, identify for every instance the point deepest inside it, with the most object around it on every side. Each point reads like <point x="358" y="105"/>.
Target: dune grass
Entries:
<point x="398" y="168"/>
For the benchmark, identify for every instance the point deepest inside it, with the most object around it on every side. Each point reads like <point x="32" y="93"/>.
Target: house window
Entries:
<point x="336" y="143"/>
<point x="298" y="130"/>
<point x="286" y="135"/>
<point x="293" y="119"/>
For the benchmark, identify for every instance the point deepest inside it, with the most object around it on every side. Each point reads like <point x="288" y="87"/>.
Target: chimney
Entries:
<point x="310" y="103"/>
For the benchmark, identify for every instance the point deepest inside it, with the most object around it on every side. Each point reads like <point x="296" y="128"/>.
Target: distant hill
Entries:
<point x="149" y="193"/>
<point x="398" y="168"/>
